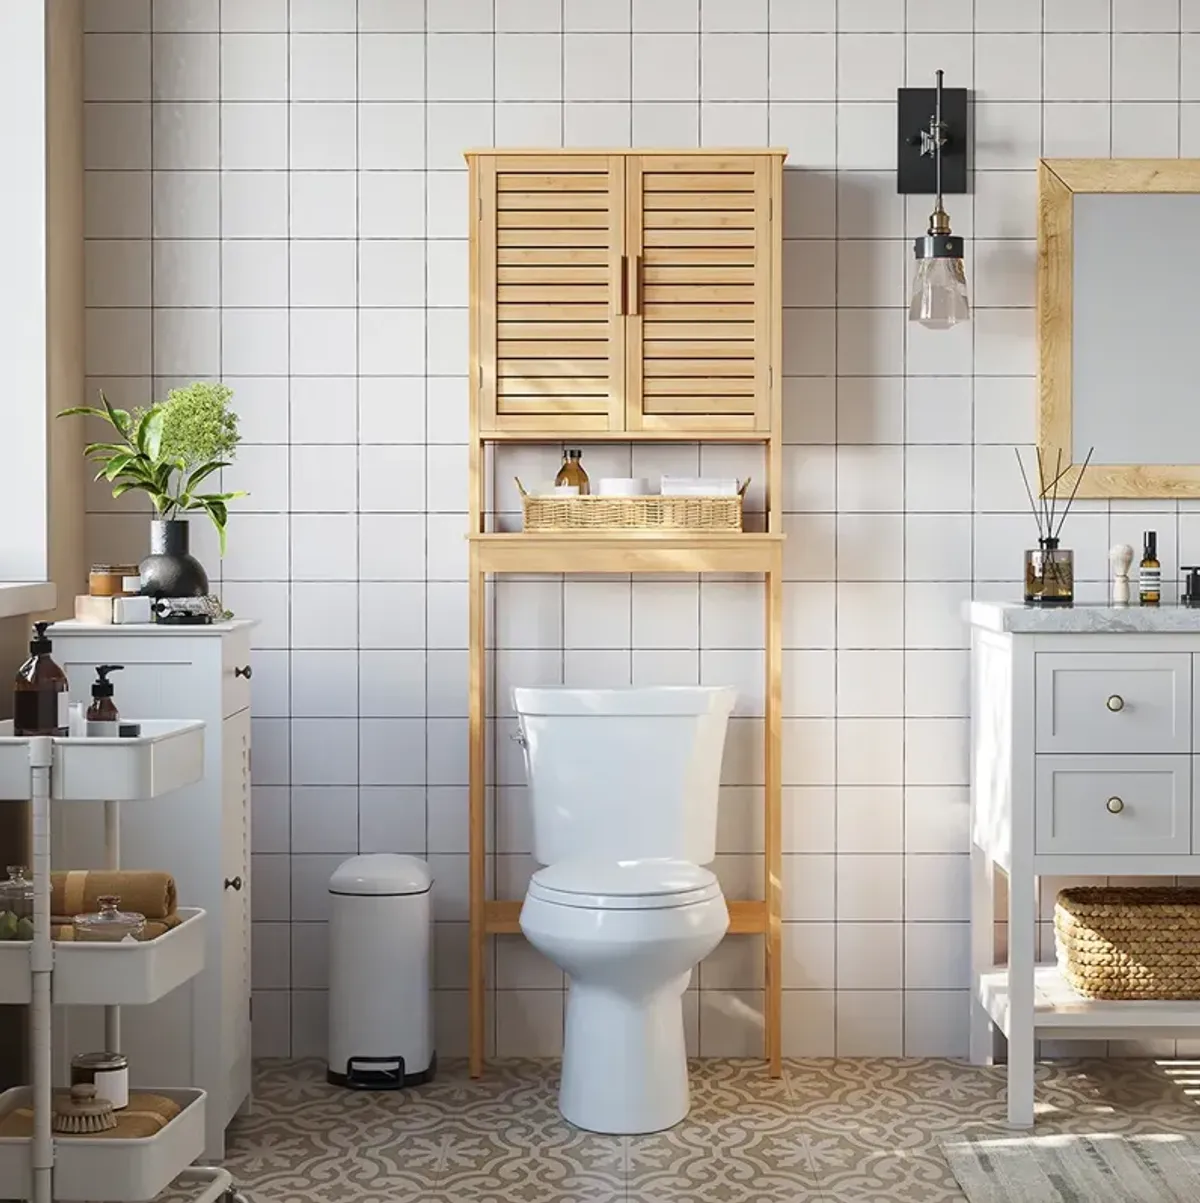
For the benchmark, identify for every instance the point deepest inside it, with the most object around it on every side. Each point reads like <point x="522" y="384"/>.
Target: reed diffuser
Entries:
<point x="1049" y="568"/>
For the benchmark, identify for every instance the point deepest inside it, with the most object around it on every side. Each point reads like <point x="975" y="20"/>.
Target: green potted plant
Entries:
<point x="168" y="451"/>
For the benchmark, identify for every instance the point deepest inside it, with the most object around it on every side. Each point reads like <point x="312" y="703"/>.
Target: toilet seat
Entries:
<point x="642" y="885"/>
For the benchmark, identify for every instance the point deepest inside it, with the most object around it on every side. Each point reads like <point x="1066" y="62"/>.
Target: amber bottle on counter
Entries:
<point x="40" y="697"/>
<point x="572" y="473"/>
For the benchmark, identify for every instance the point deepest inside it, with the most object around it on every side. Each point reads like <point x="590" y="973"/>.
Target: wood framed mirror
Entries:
<point x="1119" y="323"/>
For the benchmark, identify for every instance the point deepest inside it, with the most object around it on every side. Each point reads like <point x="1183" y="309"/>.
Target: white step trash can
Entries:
<point x="380" y="973"/>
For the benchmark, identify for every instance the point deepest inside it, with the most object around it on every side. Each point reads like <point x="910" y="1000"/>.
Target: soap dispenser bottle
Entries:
<point x="40" y="698"/>
<point x="102" y="717"/>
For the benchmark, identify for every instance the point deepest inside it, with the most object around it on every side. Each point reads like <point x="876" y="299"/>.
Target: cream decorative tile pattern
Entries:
<point x="865" y="1131"/>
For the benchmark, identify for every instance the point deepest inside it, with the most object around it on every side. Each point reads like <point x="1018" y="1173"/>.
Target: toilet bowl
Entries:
<point x="623" y="788"/>
<point x="628" y="935"/>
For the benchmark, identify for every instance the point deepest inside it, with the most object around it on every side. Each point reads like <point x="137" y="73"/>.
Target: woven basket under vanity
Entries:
<point x="1129" y="943"/>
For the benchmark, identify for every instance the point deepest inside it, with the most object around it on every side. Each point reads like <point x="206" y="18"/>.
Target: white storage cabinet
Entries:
<point x="198" y="1035"/>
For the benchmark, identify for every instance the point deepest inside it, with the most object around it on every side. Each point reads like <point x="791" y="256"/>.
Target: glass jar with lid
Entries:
<point x="16" y="905"/>
<point x="109" y="923"/>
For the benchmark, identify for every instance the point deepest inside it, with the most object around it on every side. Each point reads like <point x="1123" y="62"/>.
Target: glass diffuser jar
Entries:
<point x="1049" y="574"/>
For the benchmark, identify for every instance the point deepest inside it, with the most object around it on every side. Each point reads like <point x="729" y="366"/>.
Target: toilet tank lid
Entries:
<point x="381" y="873"/>
<point x="643" y="878"/>
<point x="637" y="701"/>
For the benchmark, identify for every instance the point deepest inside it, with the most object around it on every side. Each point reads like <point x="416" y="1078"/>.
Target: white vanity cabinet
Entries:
<point x="200" y="1033"/>
<point x="1085" y="761"/>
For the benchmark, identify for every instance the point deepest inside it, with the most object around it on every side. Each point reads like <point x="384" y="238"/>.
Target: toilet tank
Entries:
<point x="624" y="773"/>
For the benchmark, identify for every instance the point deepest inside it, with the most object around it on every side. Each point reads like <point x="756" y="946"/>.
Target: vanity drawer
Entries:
<point x="1113" y="702"/>
<point x="1113" y="804"/>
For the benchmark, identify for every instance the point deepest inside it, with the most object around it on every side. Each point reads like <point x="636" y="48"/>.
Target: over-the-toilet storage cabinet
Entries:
<point x="625" y="292"/>
<point x="626" y="296"/>
<point x="200" y="1033"/>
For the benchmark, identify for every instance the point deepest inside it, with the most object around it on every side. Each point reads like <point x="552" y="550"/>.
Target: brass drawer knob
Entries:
<point x="1115" y="806"/>
<point x="1115" y="702"/>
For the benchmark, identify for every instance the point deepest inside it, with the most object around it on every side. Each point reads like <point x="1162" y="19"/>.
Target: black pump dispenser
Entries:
<point x="1191" y="589"/>
<point x="40" y="643"/>
<point x="102" y="687"/>
<point x="103" y="720"/>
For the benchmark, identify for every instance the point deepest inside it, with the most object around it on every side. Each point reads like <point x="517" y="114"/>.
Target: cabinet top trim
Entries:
<point x="72" y="627"/>
<point x="707" y="152"/>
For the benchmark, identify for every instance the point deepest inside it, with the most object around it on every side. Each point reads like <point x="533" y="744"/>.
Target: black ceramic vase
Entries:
<point x="170" y="570"/>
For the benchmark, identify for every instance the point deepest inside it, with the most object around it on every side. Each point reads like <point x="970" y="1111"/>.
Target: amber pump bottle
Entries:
<point x="102" y="717"/>
<point x="40" y="697"/>
<point x="1150" y="572"/>
<point x="572" y="473"/>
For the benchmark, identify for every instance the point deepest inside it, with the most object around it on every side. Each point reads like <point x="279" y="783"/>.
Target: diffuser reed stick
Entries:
<point x="1087" y="459"/>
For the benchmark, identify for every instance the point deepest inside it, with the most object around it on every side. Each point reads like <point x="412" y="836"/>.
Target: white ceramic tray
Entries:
<point x="111" y="974"/>
<point x="118" y="1171"/>
<point x="167" y="755"/>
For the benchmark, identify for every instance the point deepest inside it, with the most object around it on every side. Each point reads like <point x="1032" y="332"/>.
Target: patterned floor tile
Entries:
<point x="827" y="1132"/>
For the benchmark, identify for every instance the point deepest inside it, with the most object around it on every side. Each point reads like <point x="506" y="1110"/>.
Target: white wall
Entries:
<point x="276" y="195"/>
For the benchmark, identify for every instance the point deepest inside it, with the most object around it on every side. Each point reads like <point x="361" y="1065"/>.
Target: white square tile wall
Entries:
<point x="276" y="195"/>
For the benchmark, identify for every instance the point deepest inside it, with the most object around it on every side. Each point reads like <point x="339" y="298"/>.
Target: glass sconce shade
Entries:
<point x="939" y="293"/>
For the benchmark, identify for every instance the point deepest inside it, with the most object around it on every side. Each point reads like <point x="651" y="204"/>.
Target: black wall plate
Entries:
<point x="916" y="172"/>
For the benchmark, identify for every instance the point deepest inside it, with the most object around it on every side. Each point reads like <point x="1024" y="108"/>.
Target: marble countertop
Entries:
<point x="1012" y="618"/>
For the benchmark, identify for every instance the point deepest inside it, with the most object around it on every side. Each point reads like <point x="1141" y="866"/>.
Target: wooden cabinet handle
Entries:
<point x="1115" y="703"/>
<point x="1115" y="806"/>
<point x="622" y="277"/>
<point x="244" y="671"/>
<point x="635" y="287"/>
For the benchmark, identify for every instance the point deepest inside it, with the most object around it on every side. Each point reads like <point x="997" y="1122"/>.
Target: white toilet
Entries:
<point x="624" y="786"/>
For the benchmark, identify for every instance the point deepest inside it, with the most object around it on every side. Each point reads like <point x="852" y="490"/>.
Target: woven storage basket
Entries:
<point x="1126" y="943"/>
<point x="633" y="513"/>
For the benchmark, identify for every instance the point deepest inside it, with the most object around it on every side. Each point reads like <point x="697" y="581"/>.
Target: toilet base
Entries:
<point x="624" y="1060"/>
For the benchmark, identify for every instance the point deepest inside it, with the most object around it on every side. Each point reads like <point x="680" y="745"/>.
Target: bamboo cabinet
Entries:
<point x="621" y="296"/>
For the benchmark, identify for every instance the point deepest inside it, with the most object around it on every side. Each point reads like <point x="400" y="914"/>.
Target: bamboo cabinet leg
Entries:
<point x="477" y="735"/>
<point x="772" y="824"/>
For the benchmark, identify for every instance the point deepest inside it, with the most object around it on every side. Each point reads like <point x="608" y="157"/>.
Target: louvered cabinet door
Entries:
<point x="699" y="236"/>
<point x="550" y="333"/>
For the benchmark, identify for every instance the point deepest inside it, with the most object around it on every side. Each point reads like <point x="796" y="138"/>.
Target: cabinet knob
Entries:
<point x="233" y="883"/>
<point x="246" y="671"/>
<point x="1115" y="806"/>
<point x="1115" y="702"/>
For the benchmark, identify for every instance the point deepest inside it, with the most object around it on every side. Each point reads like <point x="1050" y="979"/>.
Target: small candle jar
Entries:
<point x="1049" y="574"/>
<point x="107" y="1072"/>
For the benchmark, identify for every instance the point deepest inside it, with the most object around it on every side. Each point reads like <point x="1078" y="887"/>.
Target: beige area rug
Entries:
<point x="1077" y="1169"/>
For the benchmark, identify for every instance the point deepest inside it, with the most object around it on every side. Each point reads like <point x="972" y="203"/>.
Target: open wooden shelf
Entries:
<point x="501" y="918"/>
<point x="628" y="551"/>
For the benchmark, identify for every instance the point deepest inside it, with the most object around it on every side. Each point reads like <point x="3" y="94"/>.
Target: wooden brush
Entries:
<point x="81" y="1113"/>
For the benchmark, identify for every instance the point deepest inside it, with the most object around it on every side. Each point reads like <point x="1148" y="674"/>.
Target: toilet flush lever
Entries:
<point x="518" y="737"/>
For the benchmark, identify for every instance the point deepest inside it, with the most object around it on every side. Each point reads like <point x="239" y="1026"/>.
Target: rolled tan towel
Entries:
<point x="146" y="1115"/>
<point x="62" y="927"/>
<point x="146" y="891"/>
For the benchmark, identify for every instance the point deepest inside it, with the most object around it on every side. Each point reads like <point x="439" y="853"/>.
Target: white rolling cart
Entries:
<point x="168" y="755"/>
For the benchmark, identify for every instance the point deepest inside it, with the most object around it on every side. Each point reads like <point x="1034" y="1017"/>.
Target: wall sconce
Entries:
<point x="934" y="159"/>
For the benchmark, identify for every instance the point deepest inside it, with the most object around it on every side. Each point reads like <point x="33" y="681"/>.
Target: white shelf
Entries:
<point x="129" y="974"/>
<point x="168" y="755"/>
<point x="118" y="1171"/>
<point x="1064" y="1015"/>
